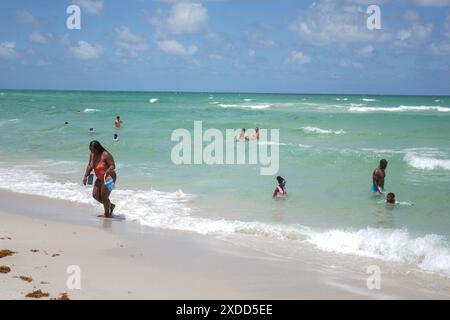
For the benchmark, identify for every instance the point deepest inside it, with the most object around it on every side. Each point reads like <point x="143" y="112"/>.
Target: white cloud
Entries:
<point x="441" y="49"/>
<point x="91" y="6"/>
<point x="367" y="2"/>
<point x="38" y="37"/>
<point x="86" y="51"/>
<point x="129" y="44"/>
<point x="299" y="57"/>
<point x="176" y="48"/>
<point x="25" y="17"/>
<point x="184" y="18"/>
<point x="433" y="3"/>
<point x="7" y="50"/>
<point x="328" y="22"/>
<point x="412" y="37"/>
<point x="366" y="51"/>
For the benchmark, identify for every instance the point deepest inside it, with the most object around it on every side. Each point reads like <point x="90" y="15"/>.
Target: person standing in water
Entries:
<point x="118" y="122"/>
<point x="256" y="135"/>
<point x="280" y="190"/>
<point x="102" y="162"/>
<point x="378" y="177"/>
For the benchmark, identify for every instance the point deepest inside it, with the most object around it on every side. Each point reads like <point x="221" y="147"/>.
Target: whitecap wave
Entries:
<point x="427" y="159"/>
<point x="369" y="100"/>
<point x="398" y="109"/>
<point x="322" y="131"/>
<point x="153" y="100"/>
<point x="246" y="106"/>
<point x="91" y="110"/>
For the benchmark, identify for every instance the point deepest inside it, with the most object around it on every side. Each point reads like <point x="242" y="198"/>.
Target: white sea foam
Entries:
<point x="426" y="160"/>
<point x="304" y="146"/>
<point x="171" y="210"/>
<point x="246" y="106"/>
<point x="271" y="143"/>
<point x="322" y="131"/>
<point x="153" y="100"/>
<point x="398" y="109"/>
<point x="369" y="100"/>
<point x="91" y="110"/>
<point x="248" y="100"/>
<point x="430" y="252"/>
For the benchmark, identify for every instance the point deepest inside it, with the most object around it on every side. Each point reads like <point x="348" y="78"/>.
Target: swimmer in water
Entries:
<point x="116" y="137"/>
<point x="91" y="130"/>
<point x="242" y="136"/>
<point x="256" y="135"/>
<point x="378" y="177"/>
<point x="280" y="190"/>
<point x="118" y="122"/>
<point x="390" y="198"/>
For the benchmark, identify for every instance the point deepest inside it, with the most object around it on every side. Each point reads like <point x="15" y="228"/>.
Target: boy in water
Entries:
<point x="280" y="190"/>
<point x="390" y="199"/>
<point x="118" y="122"/>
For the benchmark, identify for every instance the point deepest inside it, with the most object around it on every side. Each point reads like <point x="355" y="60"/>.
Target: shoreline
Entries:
<point x="124" y="260"/>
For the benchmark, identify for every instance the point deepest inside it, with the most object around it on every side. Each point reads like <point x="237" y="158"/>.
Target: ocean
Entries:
<point x="329" y="145"/>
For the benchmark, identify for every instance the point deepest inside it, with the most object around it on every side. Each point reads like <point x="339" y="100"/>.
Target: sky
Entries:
<point x="279" y="46"/>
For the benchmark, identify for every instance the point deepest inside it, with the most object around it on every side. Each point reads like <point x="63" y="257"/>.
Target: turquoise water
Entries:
<point x="329" y="146"/>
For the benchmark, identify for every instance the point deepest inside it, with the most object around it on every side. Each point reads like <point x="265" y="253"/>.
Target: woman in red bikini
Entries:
<point x="102" y="162"/>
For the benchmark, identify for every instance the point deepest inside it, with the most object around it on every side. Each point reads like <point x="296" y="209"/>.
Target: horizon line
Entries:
<point x="230" y="92"/>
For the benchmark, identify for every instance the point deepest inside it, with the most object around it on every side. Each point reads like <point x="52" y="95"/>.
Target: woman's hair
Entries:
<point x="96" y="147"/>
<point x="280" y="180"/>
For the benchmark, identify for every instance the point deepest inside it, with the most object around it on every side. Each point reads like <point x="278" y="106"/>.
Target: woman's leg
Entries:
<point x="96" y="192"/>
<point x="104" y="191"/>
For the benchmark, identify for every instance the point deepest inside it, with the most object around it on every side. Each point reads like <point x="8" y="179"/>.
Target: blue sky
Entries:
<point x="318" y="46"/>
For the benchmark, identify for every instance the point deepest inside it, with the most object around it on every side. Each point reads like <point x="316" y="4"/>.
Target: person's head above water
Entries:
<point x="281" y="180"/>
<point x="383" y="164"/>
<point x="390" y="198"/>
<point x="96" y="147"/>
<point x="118" y="117"/>
<point x="116" y="135"/>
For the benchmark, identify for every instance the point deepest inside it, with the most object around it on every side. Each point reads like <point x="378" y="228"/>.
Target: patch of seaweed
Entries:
<point x="5" y="269"/>
<point x="37" y="294"/>
<point x="6" y="253"/>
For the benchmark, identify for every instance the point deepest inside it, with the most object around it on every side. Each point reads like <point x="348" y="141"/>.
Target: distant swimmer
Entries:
<point x="116" y="137"/>
<point x="379" y="175"/>
<point x="242" y="136"/>
<point x="91" y="130"/>
<point x="256" y="135"/>
<point x="102" y="162"/>
<point x="390" y="198"/>
<point x="280" y="190"/>
<point x="118" y="122"/>
<point x="66" y="122"/>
